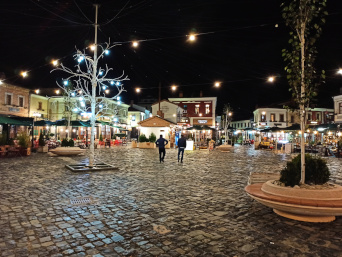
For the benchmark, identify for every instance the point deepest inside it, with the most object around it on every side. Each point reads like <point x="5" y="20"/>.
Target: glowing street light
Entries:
<point x="1" y="82"/>
<point x="173" y="88"/>
<point x="271" y="79"/>
<point x="230" y="114"/>
<point x="217" y="84"/>
<point x="192" y="37"/>
<point x="107" y="91"/>
<point x="54" y="62"/>
<point x="339" y="71"/>
<point x="57" y="91"/>
<point x="23" y="74"/>
<point x="37" y="91"/>
<point x="92" y="47"/>
<point x="137" y="90"/>
<point x="135" y="43"/>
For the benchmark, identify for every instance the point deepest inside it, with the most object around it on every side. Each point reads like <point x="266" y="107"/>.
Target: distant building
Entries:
<point x="271" y="117"/>
<point x="39" y="106"/>
<point x="14" y="100"/>
<point x="199" y="110"/>
<point x="242" y="124"/>
<point x="170" y="111"/>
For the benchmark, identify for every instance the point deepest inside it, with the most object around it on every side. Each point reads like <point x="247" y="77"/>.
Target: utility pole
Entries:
<point x="93" y="98"/>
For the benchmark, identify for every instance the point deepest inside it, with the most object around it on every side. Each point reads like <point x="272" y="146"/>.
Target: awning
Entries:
<point x="43" y="123"/>
<point x="11" y="121"/>
<point x="120" y="135"/>
<point x="73" y="123"/>
<point x="198" y="127"/>
<point x="293" y="127"/>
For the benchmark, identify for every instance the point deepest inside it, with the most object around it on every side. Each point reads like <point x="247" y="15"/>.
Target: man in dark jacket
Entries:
<point x="161" y="143"/>
<point x="181" y="146"/>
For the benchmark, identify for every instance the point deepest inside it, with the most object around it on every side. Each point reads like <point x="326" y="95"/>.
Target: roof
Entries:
<point x="156" y="121"/>
<point x="165" y="100"/>
<point x="132" y="109"/>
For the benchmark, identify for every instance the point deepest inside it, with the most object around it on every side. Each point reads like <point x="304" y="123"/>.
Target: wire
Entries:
<point x="82" y="12"/>
<point x="116" y="14"/>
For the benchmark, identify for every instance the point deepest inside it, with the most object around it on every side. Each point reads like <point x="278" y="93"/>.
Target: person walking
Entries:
<point x="161" y="143"/>
<point x="181" y="146"/>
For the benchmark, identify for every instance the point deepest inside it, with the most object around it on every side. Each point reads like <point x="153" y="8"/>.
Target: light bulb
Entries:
<point x="106" y="52"/>
<point x="65" y="82"/>
<point x="135" y="43"/>
<point x="23" y="74"/>
<point x="54" y="62"/>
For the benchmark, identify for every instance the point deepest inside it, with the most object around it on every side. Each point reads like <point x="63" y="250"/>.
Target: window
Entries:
<point x="263" y="117"/>
<point x="133" y="117"/>
<point x="207" y="108"/>
<point x="8" y="98"/>
<point x="272" y="117"/>
<point x="281" y="117"/>
<point x="340" y="108"/>
<point x="309" y="116"/>
<point x="292" y="119"/>
<point x="21" y="101"/>
<point x="317" y="116"/>
<point x="197" y="108"/>
<point x="40" y="105"/>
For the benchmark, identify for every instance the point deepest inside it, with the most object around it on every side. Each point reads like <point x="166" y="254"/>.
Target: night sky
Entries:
<point x="238" y="44"/>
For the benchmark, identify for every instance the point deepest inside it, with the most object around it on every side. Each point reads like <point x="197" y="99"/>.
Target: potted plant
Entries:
<point x="142" y="141"/>
<point x="24" y="143"/>
<point x="101" y="142"/>
<point x="43" y="148"/>
<point x="152" y="139"/>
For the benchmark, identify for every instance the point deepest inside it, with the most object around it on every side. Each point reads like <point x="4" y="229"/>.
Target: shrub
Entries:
<point x="41" y="140"/>
<point x="24" y="140"/>
<point x="142" y="138"/>
<point x="71" y="143"/>
<point x="101" y="138"/>
<point x="152" y="138"/>
<point x="316" y="171"/>
<point x="65" y="142"/>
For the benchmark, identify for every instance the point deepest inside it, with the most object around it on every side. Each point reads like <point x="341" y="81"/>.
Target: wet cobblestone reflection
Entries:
<point x="198" y="208"/>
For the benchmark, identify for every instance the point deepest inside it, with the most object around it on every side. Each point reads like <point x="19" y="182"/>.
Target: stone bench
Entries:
<point x="261" y="177"/>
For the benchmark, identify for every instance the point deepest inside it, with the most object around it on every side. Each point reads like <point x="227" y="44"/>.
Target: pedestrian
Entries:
<point x="161" y="143"/>
<point x="181" y="146"/>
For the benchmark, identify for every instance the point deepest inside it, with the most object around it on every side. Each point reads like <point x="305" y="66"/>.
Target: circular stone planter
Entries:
<point x="67" y="151"/>
<point x="225" y="148"/>
<point x="310" y="205"/>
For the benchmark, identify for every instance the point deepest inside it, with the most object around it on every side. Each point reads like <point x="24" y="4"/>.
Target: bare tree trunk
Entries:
<point x="302" y="104"/>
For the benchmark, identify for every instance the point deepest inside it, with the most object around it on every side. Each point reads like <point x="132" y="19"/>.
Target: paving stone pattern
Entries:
<point x="198" y="208"/>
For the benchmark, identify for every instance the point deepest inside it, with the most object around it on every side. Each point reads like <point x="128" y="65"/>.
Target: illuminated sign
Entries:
<point x="202" y="121"/>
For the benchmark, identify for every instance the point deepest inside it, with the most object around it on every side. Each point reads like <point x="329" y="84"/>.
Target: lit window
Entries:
<point x="281" y="117"/>
<point x="197" y="108"/>
<point x="272" y="117"/>
<point x="207" y="109"/>
<point x="40" y="105"/>
<point x="340" y="108"/>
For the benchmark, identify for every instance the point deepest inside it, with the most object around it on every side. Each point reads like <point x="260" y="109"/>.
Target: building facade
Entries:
<point x="242" y="124"/>
<point x="14" y="100"/>
<point x="198" y="110"/>
<point x="170" y="111"/>
<point x="39" y="106"/>
<point x="271" y="117"/>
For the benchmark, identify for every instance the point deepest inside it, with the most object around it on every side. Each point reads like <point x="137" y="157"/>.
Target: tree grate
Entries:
<point x="81" y="201"/>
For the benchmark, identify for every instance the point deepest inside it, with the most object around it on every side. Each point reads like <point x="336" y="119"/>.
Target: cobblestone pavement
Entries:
<point x="198" y="208"/>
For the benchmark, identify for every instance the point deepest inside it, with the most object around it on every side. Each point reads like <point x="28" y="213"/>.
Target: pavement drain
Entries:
<point x="82" y="201"/>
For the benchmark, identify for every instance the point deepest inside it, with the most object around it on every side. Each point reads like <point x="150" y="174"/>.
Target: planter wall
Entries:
<point x="43" y="149"/>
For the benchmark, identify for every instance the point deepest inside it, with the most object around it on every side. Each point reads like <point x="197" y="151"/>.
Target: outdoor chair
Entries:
<point x="13" y="152"/>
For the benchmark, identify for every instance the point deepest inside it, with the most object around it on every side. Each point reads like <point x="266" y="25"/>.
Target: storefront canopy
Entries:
<point x="73" y="123"/>
<point x="198" y="127"/>
<point x="293" y="127"/>
<point x="12" y="121"/>
<point x="43" y="123"/>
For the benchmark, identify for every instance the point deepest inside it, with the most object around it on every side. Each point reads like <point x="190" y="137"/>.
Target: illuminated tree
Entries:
<point x="91" y="85"/>
<point x="226" y="120"/>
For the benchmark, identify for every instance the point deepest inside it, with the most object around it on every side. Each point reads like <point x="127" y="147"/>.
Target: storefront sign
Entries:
<point x="202" y="121"/>
<point x="11" y="109"/>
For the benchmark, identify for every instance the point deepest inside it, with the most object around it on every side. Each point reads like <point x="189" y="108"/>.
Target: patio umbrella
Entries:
<point x="275" y="129"/>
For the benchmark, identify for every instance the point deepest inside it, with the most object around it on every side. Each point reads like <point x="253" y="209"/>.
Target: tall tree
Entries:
<point x="226" y="120"/>
<point x="305" y="18"/>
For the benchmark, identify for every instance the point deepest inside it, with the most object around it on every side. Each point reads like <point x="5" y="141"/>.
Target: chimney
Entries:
<point x="132" y="102"/>
<point x="201" y="93"/>
<point x="180" y="94"/>
<point x="160" y="114"/>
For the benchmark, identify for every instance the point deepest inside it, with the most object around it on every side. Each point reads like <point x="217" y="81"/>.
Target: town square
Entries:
<point x="170" y="128"/>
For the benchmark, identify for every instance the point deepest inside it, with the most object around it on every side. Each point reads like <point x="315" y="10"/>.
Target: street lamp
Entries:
<point x="271" y="79"/>
<point x="137" y="90"/>
<point x="339" y="71"/>
<point x="217" y="84"/>
<point x="135" y="44"/>
<point x="23" y="74"/>
<point x="173" y="88"/>
<point x="192" y="37"/>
